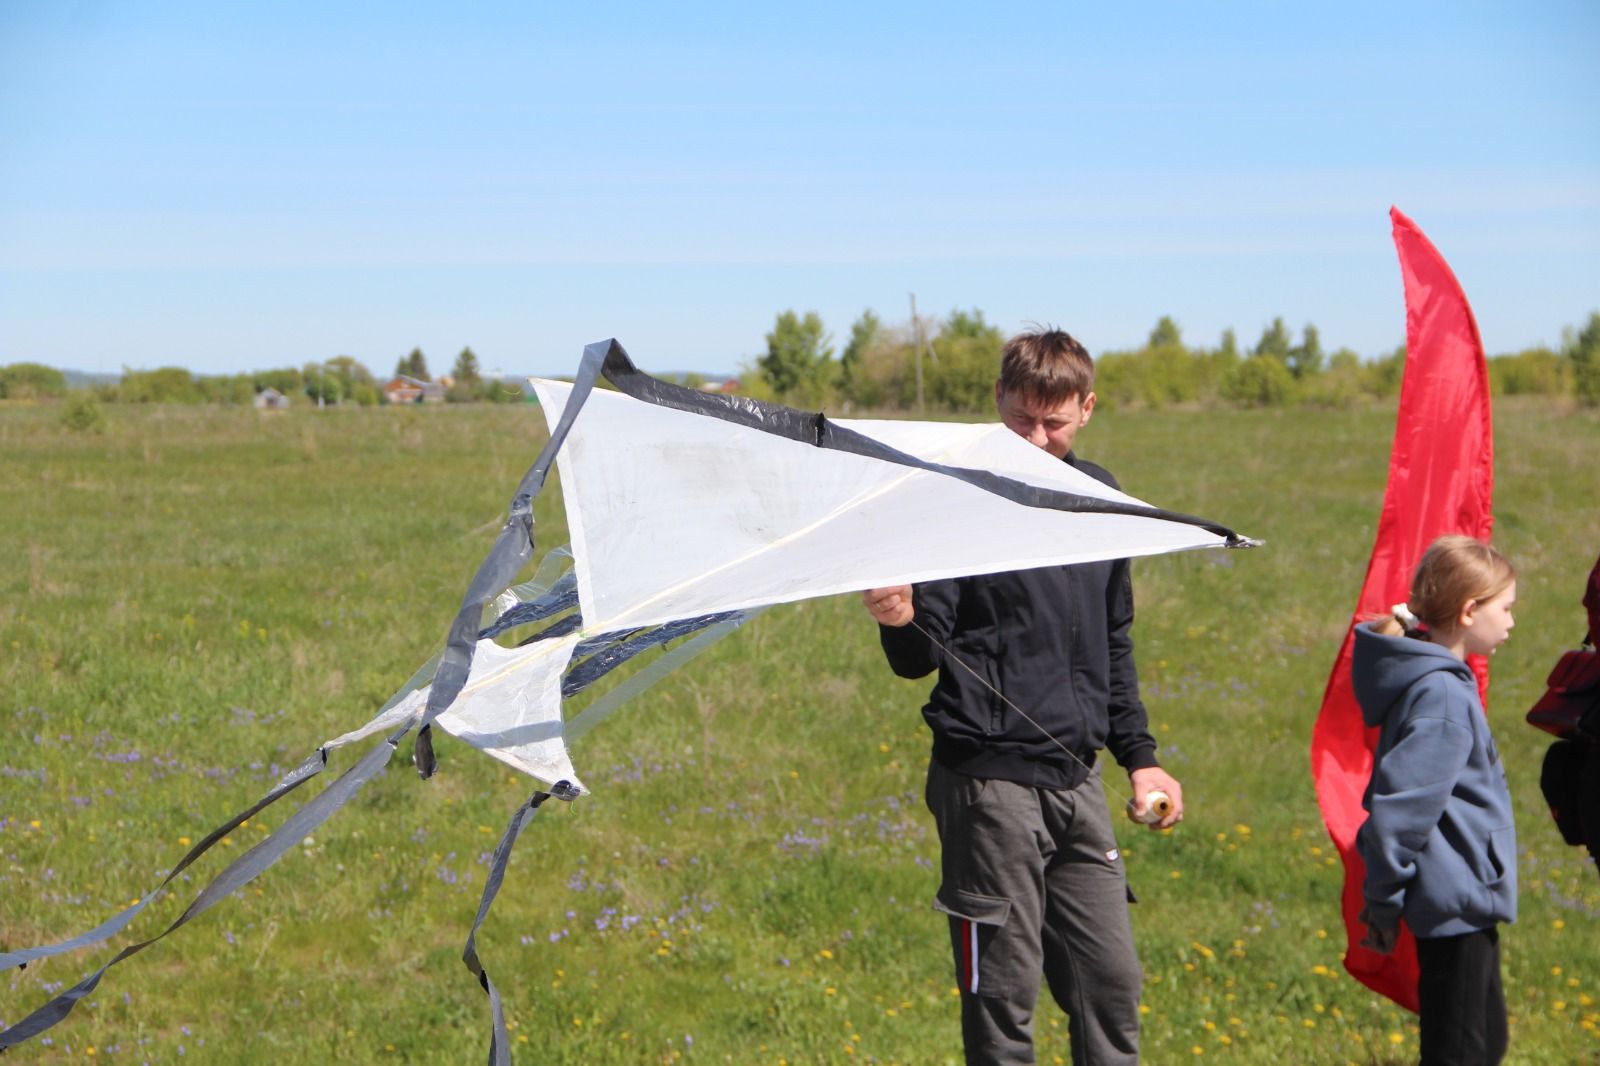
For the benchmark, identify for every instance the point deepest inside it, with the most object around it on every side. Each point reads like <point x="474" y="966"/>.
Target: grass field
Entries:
<point x="193" y="600"/>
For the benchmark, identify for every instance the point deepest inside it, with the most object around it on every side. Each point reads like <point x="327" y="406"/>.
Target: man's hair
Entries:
<point x="1046" y="366"/>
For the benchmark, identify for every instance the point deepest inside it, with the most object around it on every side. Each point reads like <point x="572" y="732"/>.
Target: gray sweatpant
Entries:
<point x="1033" y="884"/>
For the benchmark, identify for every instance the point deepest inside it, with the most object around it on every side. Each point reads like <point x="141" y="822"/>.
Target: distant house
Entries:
<point x="270" y="399"/>
<point x="404" y="389"/>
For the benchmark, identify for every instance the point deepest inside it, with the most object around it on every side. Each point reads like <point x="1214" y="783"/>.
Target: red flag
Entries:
<point x="1441" y="479"/>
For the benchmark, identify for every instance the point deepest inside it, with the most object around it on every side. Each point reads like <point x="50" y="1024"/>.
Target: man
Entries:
<point x="1036" y="675"/>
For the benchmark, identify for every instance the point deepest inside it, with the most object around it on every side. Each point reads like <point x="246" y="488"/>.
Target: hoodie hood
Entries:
<point x="1383" y="668"/>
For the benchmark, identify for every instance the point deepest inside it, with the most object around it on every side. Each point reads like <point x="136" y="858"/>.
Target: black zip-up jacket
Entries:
<point x="1056" y="641"/>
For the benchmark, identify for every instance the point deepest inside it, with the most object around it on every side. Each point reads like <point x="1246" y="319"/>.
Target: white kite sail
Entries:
<point x="675" y="514"/>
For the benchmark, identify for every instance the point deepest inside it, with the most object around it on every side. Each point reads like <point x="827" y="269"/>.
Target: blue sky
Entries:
<point x="231" y="187"/>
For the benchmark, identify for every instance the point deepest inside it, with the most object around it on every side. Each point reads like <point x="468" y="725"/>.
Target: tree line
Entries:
<point x="340" y="380"/>
<point x="944" y="364"/>
<point x="949" y="365"/>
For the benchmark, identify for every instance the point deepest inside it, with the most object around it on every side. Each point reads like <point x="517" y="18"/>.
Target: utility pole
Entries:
<point x="916" y="340"/>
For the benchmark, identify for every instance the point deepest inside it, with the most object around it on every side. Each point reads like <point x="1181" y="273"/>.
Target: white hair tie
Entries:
<point x="1402" y="614"/>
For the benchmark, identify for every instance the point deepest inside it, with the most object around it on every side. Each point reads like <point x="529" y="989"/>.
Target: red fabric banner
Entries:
<point x="1441" y="480"/>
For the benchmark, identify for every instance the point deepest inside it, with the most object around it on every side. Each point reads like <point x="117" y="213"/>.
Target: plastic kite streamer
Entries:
<point x="688" y="512"/>
<point x="1441" y="480"/>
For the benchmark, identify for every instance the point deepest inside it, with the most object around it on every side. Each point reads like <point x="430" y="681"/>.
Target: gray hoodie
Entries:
<point x="1438" y="843"/>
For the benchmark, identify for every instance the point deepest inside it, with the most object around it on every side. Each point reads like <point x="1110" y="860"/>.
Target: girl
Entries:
<point x="1438" y="843"/>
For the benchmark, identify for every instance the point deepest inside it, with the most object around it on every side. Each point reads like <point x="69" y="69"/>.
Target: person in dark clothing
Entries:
<point x="1589" y="780"/>
<point x="1035" y="677"/>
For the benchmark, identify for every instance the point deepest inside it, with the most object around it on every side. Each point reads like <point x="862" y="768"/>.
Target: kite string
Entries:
<point x="951" y="656"/>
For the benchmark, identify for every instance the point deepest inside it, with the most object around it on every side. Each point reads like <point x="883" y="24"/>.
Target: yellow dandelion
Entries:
<point x="1397" y="1038"/>
<point x="1309" y="1023"/>
<point x="1175" y="874"/>
<point x="1557" y="924"/>
<point x="1555" y="971"/>
<point x="1320" y="970"/>
<point x="1144" y="1008"/>
<point x="1322" y="934"/>
<point x="826" y="953"/>
<point x="36" y="823"/>
<point x="830" y="991"/>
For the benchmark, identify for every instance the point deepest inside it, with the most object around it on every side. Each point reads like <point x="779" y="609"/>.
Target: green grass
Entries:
<point x="192" y="600"/>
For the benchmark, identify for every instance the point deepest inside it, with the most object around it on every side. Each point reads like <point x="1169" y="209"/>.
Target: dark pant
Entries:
<point x="1463" y="1004"/>
<point x="1034" y="888"/>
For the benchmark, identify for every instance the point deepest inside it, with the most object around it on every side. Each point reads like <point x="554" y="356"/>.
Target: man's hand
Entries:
<point x="1155" y="779"/>
<point x="1379" y="938"/>
<point x="889" y="606"/>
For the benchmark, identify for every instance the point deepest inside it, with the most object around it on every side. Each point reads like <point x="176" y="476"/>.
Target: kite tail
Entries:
<point x="499" y="1041"/>
<point x="238" y="874"/>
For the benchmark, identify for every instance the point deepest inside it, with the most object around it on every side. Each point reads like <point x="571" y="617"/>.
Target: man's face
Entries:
<point x="1052" y="428"/>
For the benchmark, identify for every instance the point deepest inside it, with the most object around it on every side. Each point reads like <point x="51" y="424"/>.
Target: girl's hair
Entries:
<point x="1454" y="571"/>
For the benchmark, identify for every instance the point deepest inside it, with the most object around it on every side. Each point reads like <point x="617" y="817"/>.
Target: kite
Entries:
<point x="1441" y="480"/>
<point x="688" y="513"/>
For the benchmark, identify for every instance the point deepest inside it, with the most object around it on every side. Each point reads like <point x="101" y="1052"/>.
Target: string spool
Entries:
<point x="1157" y="805"/>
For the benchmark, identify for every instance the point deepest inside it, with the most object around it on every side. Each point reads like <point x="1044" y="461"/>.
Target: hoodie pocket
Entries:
<point x="1502" y="852"/>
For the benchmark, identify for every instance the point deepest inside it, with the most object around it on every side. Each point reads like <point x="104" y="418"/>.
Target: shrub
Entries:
<point x="82" y="413"/>
<point x="1260" y="381"/>
<point x="31" y="381"/>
